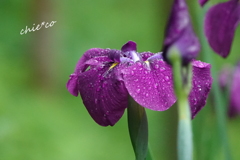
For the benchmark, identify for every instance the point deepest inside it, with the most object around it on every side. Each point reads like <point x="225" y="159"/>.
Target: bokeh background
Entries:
<point x="39" y="119"/>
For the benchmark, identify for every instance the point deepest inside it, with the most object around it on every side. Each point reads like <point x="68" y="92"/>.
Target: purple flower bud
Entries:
<point x="180" y="35"/>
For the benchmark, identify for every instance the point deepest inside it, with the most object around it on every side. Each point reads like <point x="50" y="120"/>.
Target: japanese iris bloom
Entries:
<point x="231" y="79"/>
<point x="105" y="78"/>
<point x="220" y="24"/>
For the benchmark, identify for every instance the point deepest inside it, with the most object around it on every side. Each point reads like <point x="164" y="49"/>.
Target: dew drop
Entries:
<point x="162" y="69"/>
<point x="156" y="66"/>
<point x="195" y="101"/>
<point x="166" y="78"/>
<point x="138" y="90"/>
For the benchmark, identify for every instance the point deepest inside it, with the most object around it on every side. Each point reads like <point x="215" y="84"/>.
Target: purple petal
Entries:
<point x="129" y="46"/>
<point x="150" y="85"/>
<point x="220" y="23"/>
<point x="234" y="107"/>
<point x="114" y="55"/>
<point x="179" y="33"/>
<point x="72" y="84"/>
<point x="155" y="56"/>
<point x="98" y="61"/>
<point x="104" y="96"/>
<point x="202" y="2"/>
<point x="225" y="77"/>
<point x="201" y="85"/>
<point x="91" y="53"/>
<point x="146" y="55"/>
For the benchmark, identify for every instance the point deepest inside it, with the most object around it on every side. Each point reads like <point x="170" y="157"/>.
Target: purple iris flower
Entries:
<point x="202" y="2"/>
<point x="221" y="22"/>
<point x="180" y="35"/>
<point x="230" y="79"/>
<point x="106" y="77"/>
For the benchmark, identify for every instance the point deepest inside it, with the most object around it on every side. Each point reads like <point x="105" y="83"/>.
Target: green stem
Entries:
<point x="138" y="129"/>
<point x="220" y="106"/>
<point x="182" y="89"/>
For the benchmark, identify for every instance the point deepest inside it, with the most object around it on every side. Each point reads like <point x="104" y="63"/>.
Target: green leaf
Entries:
<point x="138" y="129"/>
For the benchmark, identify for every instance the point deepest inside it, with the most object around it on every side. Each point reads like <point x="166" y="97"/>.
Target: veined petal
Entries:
<point x="234" y="107"/>
<point x="91" y="53"/>
<point x="146" y="55"/>
<point x="150" y="56"/>
<point x="93" y="56"/>
<point x="201" y="85"/>
<point x="129" y="46"/>
<point x="104" y="96"/>
<point x="202" y="2"/>
<point x="98" y="60"/>
<point x="220" y="23"/>
<point x="150" y="84"/>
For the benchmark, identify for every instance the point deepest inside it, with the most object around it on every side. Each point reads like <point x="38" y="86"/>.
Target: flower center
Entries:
<point x="135" y="56"/>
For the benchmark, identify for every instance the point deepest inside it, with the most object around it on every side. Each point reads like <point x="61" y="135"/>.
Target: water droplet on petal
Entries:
<point x="195" y="101"/>
<point x="155" y="85"/>
<point x="162" y="69"/>
<point x="156" y="66"/>
<point x="166" y="78"/>
<point x="138" y="90"/>
<point x="132" y="72"/>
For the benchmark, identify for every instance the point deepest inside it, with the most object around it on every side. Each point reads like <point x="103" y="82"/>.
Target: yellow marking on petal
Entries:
<point x="113" y="65"/>
<point x="147" y="63"/>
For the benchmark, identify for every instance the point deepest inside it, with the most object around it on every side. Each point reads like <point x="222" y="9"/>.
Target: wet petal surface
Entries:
<point x="94" y="56"/>
<point x="201" y="85"/>
<point x="104" y="96"/>
<point x="150" y="85"/>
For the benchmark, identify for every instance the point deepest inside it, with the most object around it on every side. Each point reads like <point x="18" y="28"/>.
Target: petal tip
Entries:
<point x="129" y="46"/>
<point x="72" y="85"/>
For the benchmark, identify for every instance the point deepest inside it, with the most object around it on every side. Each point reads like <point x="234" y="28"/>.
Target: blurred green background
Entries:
<point x="39" y="119"/>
